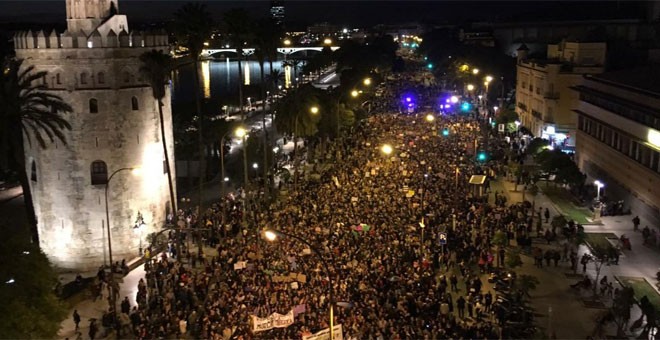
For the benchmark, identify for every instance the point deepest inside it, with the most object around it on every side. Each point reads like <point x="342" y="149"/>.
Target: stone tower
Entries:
<point x="94" y="66"/>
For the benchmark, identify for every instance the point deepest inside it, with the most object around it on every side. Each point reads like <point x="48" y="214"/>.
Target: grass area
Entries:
<point x="642" y="288"/>
<point x="564" y="201"/>
<point x="599" y="239"/>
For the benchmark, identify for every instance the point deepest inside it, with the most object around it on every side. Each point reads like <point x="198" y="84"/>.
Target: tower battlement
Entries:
<point x="110" y="39"/>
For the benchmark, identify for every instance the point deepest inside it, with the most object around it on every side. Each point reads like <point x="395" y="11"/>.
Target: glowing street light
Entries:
<point x="354" y="93"/>
<point x="599" y="185"/>
<point x="287" y="42"/>
<point x="453" y="99"/>
<point x="255" y="166"/>
<point x="327" y="41"/>
<point x="314" y="110"/>
<point x="366" y="81"/>
<point x="475" y="71"/>
<point x="430" y="118"/>
<point x="386" y="149"/>
<point x="489" y="79"/>
<point x="470" y="87"/>
<point x="240" y="132"/>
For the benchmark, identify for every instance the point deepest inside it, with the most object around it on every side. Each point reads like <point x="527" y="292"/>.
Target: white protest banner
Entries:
<point x="240" y="265"/>
<point x="275" y="320"/>
<point x="325" y="334"/>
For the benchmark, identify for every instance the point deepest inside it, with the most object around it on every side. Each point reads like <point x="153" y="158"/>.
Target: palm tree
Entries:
<point x="239" y="26"/>
<point x="296" y="118"/>
<point x="156" y="67"/>
<point x="193" y="25"/>
<point x="28" y="112"/>
<point x="275" y="77"/>
<point x="260" y="54"/>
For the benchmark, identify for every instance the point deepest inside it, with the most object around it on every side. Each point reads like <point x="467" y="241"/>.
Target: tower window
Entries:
<point x="127" y="77"/>
<point x="99" y="172"/>
<point x="57" y="79"/>
<point x="93" y="106"/>
<point x="33" y="172"/>
<point x="134" y="104"/>
<point x="101" y="78"/>
<point x="83" y="78"/>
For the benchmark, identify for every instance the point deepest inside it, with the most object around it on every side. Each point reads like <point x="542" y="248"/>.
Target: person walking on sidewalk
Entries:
<point x="547" y="215"/>
<point x="635" y="222"/>
<point x="76" y="319"/>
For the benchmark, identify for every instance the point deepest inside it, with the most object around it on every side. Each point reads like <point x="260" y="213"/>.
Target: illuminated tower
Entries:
<point x="94" y="66"/>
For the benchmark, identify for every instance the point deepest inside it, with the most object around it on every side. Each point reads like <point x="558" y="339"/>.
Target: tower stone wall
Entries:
<point x="95" y="68"/>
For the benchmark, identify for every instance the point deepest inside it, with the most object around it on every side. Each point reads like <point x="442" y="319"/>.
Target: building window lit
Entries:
<point x="99" y="173"/>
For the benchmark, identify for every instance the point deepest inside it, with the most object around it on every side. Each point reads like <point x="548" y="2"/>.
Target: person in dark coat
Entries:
<point x="76" y="319"/>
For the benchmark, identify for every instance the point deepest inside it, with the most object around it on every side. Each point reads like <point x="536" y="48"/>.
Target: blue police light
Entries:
<point x="445" y="132"/>
<point x="481" y="156"/>
<point x="408" y="99"/>
<point x="410" y="105"/>
<point x="465" y="106"/>
<point x="429" y="66"/>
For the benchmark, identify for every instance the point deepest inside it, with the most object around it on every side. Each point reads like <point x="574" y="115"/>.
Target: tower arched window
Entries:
<point x="100" y="78"/>
<point x="99" y="173"/>
<point x="83" y="78"/>
<point x="58" y="81"/>
<point x="93" y="106"/>
<point x="127" y="77"/>
<point x="134" y="104"/>
<point x="33" y="172"/>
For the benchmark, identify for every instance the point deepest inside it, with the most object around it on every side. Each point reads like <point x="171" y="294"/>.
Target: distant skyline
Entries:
<point x="350" y="13"/>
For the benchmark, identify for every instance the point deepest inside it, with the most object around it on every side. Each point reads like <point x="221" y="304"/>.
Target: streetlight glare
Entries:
<point x="430" y="118"/>
<point x="354" y="93"/>
<point x="599" y="184"/>
<point x="270" y="235"/>
<point x="255" y="165"/>
<point x="386" y="149"/>
<point x="367" y="81"/>
<point x="327" y="41"/>
<point x="314" y="109"/>
<point x="470" y="87"/>
<point x="475" y="71"/>
<point x="489" y="79"/>
<point x="287" y="42"/>
<point x="136" y="171"/>
<point x="240" y="132"/>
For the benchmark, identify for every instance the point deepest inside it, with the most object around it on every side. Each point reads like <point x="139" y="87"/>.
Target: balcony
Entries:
<point x="551" y="95"/>
<point x="522" y="106"/>
<point x="537" y="115"/>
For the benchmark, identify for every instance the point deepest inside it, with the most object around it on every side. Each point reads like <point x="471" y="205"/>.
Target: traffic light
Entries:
<point x="481" y="156"/>
<point x="445" y="132"/>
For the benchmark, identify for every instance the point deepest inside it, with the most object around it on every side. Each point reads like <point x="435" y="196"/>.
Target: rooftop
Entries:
<point x="645" y="79"/>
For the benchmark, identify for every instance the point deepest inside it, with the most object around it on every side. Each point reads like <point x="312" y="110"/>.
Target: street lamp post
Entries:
<point x="599" y="185"/>
<point x="271" y="235"/>
<point x="242" y="133"/>
<point x="107" y="219"/>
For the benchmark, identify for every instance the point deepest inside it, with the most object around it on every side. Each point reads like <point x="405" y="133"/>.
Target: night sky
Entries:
<point x="352" y="13"/>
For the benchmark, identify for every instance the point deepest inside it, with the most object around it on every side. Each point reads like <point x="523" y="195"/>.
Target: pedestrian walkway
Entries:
<point x="553" y="293"/>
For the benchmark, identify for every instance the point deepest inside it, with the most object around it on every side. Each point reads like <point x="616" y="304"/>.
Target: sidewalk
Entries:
<point x="553" y="292"/>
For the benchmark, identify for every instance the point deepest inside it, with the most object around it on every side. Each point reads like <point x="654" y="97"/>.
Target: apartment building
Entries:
<point x="618" y="137"/>
<point x="544" y="99"/>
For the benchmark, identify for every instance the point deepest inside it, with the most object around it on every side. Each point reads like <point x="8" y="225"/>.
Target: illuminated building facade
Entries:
<point x="94" y="66"/>
<point x="618" y="137"/>
<point x="544" y="100"/>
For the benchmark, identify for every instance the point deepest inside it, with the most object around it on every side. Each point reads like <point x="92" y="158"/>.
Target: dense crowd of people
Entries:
<point x="377" y="221"/>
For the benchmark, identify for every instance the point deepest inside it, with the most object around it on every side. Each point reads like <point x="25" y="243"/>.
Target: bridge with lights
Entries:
<point x="249" y="51"/>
